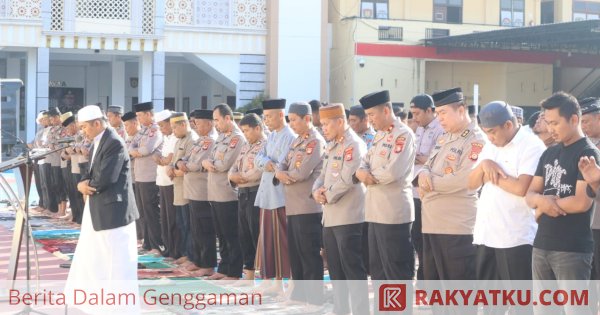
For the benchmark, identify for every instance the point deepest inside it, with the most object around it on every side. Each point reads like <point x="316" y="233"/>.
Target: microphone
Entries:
<point x="66" y="140"/>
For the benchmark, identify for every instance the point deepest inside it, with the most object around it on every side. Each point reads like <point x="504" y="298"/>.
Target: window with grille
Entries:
<point x="586" y="10"/>
<point x="436" y="32"/>
<point x="390" y="33"/>
<point x="512" y="12"/>
<point x="374" y="9"/>
<point x="447" y="11"/>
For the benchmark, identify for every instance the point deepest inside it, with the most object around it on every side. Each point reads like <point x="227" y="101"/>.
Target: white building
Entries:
<point x="180" y="54"/>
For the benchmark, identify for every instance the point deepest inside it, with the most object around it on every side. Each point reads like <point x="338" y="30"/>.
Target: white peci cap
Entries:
<point x="163" y="115"/>
<point x="89" y="112"/>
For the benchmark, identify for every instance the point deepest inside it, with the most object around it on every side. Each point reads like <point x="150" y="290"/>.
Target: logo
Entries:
<point x="392" y="297"/>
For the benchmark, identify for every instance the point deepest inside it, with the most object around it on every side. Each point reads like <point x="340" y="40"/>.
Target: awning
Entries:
<point x="581" y="37"/>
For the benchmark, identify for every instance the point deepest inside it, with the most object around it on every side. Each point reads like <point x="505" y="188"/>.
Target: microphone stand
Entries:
<point x="28" y="235"/>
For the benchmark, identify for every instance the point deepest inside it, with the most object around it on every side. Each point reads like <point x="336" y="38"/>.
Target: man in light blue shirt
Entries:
<point x="272" y="249"/>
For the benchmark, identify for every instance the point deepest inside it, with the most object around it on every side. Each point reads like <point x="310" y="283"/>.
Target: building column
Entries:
<point x="158" y="80"/>
<point x="118" y="83"/>
<point x="42" y="77"/>
<point x="145" y="78"/>
<point x="13" y="70"/>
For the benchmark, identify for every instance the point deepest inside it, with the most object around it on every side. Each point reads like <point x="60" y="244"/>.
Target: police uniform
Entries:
<point x="131" y="144"/>
<point x="195" y="184"/>
<point x="77" y="204"/>
<point x="224" y="202"/>
<point x="57" y="189"/>
<point x="66" y="167"/>
<point x="147" y="143"/>
<point x="389" y="206"/>
<point x="343" y="217"/>
<point x="426" y="138"/>
<point x="304" y="164"/>
<point x="182" y="210"/>
<point x="248" y="214"/>
<point x="40" y="182"/>
<point x="449" y="210"/>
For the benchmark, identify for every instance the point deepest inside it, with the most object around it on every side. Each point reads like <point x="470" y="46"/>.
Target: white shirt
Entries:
<point x="504" y="220"/>
<point x="426" y="138"/>
<point x="96" y="143"/>
<point x="161" y="171"/>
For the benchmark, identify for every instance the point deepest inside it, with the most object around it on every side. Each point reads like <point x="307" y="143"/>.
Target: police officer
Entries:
<point x="427" y="132"/>
<point x="297" y="174"/>
<point x="222" y="196"/>
<point x="343" y="211"/>
<point x="113" y="114"/>
<point x="132" y="128"/>
<point x="146" y="144"/>
<point x="55" y="187"/>
<point x="39" y="169"/>
<point x="195" y="189"/>
<point x="185" y="140"/>
<point x="246" y="176"/>
<point x="449" y="207"/>
<point x="69" y="130"/>
<point x="387" y="170"/>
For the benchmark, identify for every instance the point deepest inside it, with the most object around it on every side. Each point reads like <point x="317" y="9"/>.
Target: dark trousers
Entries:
<point x="148" y="197"/>
<point x="343" y="244"/>
<point x="365" y="247"/>
<point x="304" y="233"/>
<point x="448" y="257"/>
<point x="168" y="226"/>
<point x="417" y="237"/>
<point x="53" y="196"/>
<point x="38" y="184"/>
<point x="503" y="263"/>
<point x="202" y="234"/>
<point x="225" y="219"/>
<point x="182" y="220"/>
<point x="391" y="253"/>
<point x="249" y="224"/>
<point x="139" y="223"/>
<point x="59" y="184"/>
<point x="77" y="209"/>
<point x="45" y="182"/>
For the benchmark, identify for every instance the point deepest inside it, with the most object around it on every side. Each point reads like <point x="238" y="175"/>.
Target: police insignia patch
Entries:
<point x="310" y="147"/>
<point x="348" y="154"/>
<point x="475" y="150"/>
<point x="234" y="142"/>
<point x="205" y="145"/>
<point x="400" y="141"/>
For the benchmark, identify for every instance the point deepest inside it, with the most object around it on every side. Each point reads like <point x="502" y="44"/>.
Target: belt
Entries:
<point x="246" y="190"/>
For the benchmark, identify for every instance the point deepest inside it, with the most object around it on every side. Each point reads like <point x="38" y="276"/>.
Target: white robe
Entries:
<point x="104" y="260"/>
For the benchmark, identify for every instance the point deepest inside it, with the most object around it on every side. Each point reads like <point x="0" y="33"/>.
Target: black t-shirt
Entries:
<point x="558" y="168"/>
